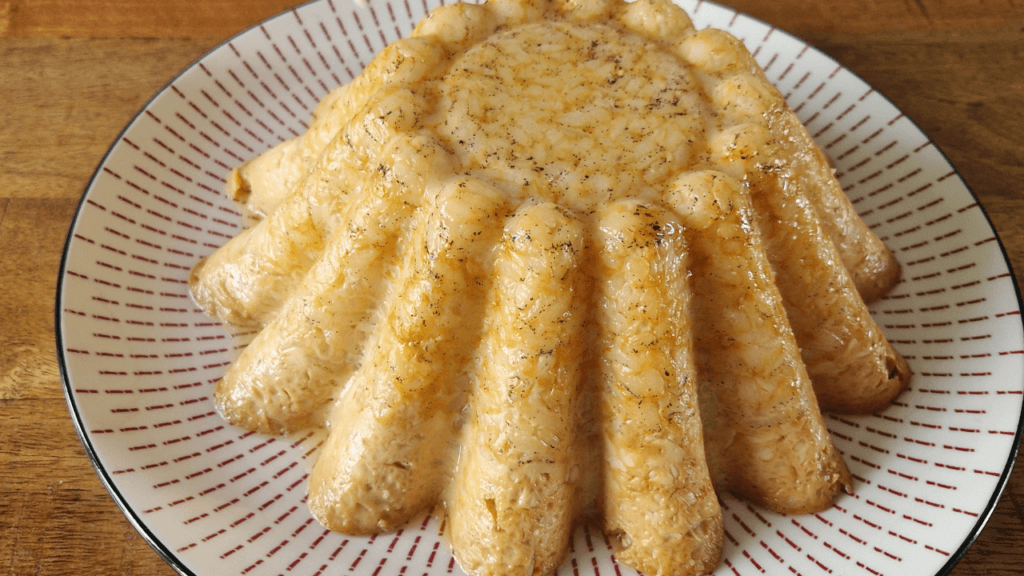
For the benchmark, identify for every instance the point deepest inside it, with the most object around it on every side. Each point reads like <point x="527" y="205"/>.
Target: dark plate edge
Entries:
<point x="1004" y="478"/>
<point x="134" y="519"/>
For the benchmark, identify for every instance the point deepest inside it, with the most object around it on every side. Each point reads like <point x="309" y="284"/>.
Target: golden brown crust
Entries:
<point x="798" y="158"/>
<point x="391" y="439"/>
<point x="515" y="496"/>
<point x="853" y="366"/>
<point x="637" y="154"/>
<point x="286" y="376"/>
<point x="656" y="497"/>
<point x="824" y="256"/>
<point x="873" y="267"/>
<point x="765" y="436"/>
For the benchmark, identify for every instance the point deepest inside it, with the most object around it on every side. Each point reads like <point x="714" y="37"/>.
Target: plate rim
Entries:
<point x="177" y="564"/>
<point x="172" y="560"/>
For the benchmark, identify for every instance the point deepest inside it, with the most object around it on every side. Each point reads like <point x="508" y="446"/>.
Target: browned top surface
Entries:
<point x="73" y="73"/>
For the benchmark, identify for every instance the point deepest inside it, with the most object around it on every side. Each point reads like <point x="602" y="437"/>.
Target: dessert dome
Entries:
<point x="545" y="263"/>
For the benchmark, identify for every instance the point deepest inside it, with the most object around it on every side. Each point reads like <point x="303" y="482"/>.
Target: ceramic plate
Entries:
<point x="139" y="360"/>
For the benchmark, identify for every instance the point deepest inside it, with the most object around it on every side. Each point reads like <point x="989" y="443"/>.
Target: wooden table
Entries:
<point x="73" y="73"/>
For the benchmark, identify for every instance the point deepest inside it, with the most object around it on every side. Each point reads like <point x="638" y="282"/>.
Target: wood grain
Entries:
<point x="68" y="99"/>
<point x="72" y="74"/>
<point x="133" y="18"/>
<point x="867" y="16"/>
<point x="179" y="19"/>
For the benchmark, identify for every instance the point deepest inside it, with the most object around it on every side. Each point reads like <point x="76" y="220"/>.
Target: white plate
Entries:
<point x="139" y="360"/>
